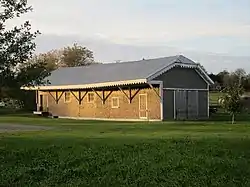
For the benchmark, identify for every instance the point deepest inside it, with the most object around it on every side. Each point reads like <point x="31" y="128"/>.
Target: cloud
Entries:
<point x="107" y="51"/>
<point x="133" y="29"/>
<point x="138" y="22"/>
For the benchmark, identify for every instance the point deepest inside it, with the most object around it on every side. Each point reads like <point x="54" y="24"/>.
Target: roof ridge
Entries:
<point x="113" y="63"/>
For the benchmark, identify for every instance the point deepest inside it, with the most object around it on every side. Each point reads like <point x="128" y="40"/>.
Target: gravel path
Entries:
<point x="16" y="127"/>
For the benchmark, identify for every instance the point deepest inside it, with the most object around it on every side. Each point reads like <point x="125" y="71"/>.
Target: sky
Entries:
<point x="201" y="26"/>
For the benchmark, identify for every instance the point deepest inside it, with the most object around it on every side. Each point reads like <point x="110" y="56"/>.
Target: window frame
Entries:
<point x="88" y="101"/>
<point x="67" y="101"/>
<point x="118" y="102"/>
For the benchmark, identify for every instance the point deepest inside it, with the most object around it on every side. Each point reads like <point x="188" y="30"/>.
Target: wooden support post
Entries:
<point x="36" y="96"/>
<point x="103" y="97"/>
<point x="38" y="101"/>
<point x="57" y="97"/>
<point x="80" y="97"/>
<point x="130" y="95"/>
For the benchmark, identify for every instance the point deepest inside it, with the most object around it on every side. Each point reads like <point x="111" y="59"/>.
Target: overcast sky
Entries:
<point x="211" y="26"/>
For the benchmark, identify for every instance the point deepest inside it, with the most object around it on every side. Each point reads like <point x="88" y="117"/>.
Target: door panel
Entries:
<point x="192" y="104"/>
<point x="168" y="104"/>
<point x="186" y="104"/>
<point x="143" y="106"/>
<point x="181" y="104"/>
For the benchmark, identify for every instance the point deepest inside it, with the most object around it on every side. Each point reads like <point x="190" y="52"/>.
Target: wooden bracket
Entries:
<point x="52" y="96"/>
<point x="60" y="96"/>
<point x="57" y="99"/>
<point x="98" y="94"/>
<point x="151" y="86"/>
<point x="127" y="96"/>
<point x="82" y="97"/>
<point x="130" y="97"/>
<point x="105" y="98"/>
<point x="77" y="98"/>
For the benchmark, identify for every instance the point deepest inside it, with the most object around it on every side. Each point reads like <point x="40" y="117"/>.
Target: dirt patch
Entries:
<point x="17" y="127"/>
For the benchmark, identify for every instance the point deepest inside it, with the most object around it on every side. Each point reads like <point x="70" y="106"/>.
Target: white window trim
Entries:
<point x="88" y="101"/>
<point x="118" y="101"/>
<point x="69" y="97"/>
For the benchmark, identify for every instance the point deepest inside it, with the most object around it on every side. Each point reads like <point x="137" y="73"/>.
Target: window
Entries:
<point x="91" y="97"/>
<point x="67" y="97"/>
<point x="115" y="102"/>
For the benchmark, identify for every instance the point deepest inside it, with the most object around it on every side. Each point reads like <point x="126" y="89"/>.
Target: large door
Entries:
<point x="186" y="104"/>
<point x="143" y="113"/>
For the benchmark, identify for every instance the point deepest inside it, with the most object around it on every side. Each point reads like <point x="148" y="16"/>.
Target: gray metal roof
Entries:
<point x="112" y="72"/>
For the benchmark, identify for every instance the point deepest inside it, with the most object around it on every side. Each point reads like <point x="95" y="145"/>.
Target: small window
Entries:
<point x="115" y="102"/>
<point x="91" y="97"/>
<point x="67" y="97"/>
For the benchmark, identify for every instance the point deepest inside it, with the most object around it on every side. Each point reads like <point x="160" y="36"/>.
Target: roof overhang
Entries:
<point x="197" y="67"/>
<point x="87" y="86"/>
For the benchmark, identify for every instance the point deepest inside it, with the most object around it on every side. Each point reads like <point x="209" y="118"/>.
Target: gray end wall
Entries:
<point x="187" y="79"/>
<point x="168" y="104"/>
<point x="182" y="78"/>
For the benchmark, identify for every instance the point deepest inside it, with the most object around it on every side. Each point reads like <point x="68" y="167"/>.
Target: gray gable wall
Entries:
<point x="182" y="78"/>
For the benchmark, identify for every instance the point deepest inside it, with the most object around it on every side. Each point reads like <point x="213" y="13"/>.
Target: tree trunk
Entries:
<point x="233" y="118"/>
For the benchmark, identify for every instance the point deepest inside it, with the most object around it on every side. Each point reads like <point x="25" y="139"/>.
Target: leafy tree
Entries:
<point x="76" y="56"/>
<point x="65" y="57"/>
<point x="16" y="48"/>
<point x="231" y="99"/>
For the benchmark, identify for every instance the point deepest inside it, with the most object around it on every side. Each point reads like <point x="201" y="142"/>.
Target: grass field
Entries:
<point x="94" y="153"/>
<point x="214" y="96"/>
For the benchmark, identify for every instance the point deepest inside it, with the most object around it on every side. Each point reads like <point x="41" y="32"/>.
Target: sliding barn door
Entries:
<point x="192" y="104"/>
<point x="186" y="104"/>
<point x="181" y="104"/>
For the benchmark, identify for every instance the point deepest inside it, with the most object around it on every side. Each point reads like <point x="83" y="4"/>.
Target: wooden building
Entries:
<point x="157" y="89"/>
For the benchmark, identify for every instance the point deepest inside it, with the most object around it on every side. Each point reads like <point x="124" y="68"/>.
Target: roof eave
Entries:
<point x="87" y="86"/>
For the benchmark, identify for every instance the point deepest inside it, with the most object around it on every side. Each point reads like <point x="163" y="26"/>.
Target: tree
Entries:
<point x="65" y="57"/>
<point x="221" y="77"/>
<point x="76" y="56"/>
<point x="231" y="99"/>
<point x="16" y="48"/>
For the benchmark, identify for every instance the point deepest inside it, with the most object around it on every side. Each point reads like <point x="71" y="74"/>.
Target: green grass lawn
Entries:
<point x="214" y="97"/>
<point x="94" y="153"/>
